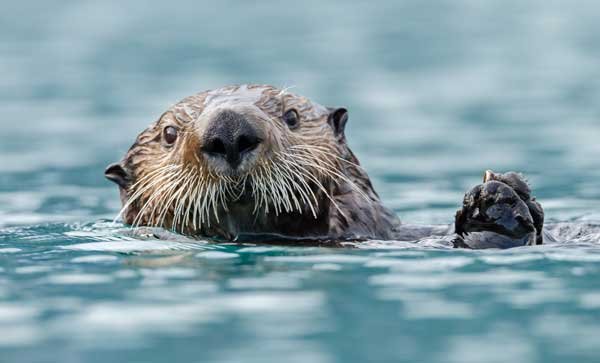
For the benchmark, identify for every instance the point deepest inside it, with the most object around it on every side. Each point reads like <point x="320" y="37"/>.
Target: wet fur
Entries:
<point x="302" y="183"/>
<point x="323" y="193"/>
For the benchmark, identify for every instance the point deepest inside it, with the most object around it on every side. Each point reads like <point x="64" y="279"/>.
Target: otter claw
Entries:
<point x="488" y="175"/>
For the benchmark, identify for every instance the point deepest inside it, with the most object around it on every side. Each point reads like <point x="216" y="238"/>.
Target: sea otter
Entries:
<point x="260" y="163"/>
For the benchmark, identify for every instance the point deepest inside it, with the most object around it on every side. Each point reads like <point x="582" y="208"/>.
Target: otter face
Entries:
<point x="500" y="213"/>
<point x="238" y="159"/>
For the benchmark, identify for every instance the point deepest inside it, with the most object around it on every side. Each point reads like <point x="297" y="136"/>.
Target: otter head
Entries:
<point x="243" y="160"/>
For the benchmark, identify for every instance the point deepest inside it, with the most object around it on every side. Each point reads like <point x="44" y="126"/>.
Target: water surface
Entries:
<point x="437" y="93"/>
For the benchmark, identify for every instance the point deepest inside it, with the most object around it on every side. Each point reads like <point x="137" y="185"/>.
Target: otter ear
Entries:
<point x="337" y="119"/>
<point x="116" y="173"/>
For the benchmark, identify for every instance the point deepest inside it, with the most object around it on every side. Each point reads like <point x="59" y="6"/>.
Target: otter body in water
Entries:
<point x="257" y="162"/>
<point x="250" y="161"/>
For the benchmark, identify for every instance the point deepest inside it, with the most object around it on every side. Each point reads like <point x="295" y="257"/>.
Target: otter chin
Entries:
<point x="250" y="160"/>
<point x="258" y="163"/>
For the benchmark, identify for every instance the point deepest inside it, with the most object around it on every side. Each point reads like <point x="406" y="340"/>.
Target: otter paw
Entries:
<point x="500" y="213"/>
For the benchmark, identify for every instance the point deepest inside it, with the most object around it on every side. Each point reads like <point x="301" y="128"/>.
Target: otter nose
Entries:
<point x="230" y="136"/>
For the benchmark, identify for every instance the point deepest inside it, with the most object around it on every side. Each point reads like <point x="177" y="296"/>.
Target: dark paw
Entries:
<point x="499" y="213"/>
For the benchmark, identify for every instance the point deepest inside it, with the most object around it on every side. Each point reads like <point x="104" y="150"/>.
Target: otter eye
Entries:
<point x="291" y="118"/>
<point x="170" y="134"/>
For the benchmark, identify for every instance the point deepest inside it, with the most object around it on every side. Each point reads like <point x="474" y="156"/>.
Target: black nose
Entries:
<point x="231" y="137"/>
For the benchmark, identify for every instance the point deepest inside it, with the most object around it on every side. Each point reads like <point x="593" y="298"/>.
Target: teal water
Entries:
<point x="437" y="92"/>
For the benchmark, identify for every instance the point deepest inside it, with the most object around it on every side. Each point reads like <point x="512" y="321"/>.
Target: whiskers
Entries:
<point x="328" y="165"/>
<point x="190" y="198"/>
<point x="179" y="197"/>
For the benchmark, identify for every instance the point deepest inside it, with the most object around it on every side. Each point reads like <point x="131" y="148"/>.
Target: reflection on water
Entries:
<point x="146" y="299"/>
<point x="437" y="93"/>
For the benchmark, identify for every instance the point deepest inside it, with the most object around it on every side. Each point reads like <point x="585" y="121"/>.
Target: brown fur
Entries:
<point x="338" y="201"/>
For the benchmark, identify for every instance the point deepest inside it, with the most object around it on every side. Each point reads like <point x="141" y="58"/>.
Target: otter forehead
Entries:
<point x="246" y="95"/>
<point x="265" y="98"/>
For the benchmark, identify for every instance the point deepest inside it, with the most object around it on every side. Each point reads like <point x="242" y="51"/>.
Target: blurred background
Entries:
<point x="438" y="91"/>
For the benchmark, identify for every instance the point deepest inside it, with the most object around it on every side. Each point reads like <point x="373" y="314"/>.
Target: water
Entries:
<point x="437" y="93"/>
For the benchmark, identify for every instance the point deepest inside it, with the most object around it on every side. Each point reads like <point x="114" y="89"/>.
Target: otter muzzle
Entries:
<point x="230" y="137"/>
